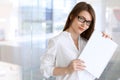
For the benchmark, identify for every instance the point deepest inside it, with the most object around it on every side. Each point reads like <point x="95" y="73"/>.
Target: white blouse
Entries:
<point x="60" y="52"/>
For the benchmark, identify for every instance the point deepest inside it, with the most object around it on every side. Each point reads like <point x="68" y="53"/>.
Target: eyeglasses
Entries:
<point x="83" y="20"/>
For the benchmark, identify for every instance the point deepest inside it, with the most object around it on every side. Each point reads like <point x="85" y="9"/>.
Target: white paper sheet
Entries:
<point x="97" y="53"/>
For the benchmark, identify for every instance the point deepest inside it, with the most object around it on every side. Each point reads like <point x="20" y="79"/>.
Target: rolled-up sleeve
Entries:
<point x="47" y="60"/>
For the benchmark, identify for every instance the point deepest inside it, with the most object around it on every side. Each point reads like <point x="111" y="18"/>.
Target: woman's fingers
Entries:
<point x="106" y="35"/>
<point x="78" y="64"/>
<point x="81" y="65"/>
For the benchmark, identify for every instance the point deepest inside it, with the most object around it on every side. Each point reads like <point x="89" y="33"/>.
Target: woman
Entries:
<point x="60" y="59"/>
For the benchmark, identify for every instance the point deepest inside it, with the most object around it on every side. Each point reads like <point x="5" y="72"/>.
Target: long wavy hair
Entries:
<point x="79" y="7"/>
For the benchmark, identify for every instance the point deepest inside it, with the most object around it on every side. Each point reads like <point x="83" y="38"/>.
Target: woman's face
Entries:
<point x="81" y="22"/>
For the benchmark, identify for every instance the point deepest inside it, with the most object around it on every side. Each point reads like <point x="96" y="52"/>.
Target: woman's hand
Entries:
<point x="106" y="35"/>
<point x="76" y="65"/>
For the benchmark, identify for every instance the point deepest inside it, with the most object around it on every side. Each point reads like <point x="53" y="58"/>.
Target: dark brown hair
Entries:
<point x="81" y="6"/>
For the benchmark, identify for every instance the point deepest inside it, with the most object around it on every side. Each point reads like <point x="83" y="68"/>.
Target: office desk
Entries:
<point x="10" y="71"/>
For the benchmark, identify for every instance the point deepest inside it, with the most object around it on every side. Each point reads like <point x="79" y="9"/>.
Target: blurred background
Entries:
<point x="26" y="26"/>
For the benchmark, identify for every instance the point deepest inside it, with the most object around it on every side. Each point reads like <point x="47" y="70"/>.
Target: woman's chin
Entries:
<point x="80" y="32"/>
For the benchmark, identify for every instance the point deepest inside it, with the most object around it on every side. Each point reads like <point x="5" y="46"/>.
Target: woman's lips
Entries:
<point x="81" y="28"/>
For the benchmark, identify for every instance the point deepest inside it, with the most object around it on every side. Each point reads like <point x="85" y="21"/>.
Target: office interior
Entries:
<point x="27" y="25"/>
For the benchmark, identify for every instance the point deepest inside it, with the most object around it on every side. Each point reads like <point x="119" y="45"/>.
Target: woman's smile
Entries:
<point x="81" y="28"/>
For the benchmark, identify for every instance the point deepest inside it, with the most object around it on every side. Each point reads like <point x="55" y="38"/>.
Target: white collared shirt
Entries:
<point x="60" y="52"/>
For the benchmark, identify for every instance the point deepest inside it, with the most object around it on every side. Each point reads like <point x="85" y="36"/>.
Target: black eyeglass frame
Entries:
<point x="83" y="20"/>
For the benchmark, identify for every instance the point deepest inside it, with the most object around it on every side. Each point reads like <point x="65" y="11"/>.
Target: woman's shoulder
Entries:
<point x="59" y="37"/>
<point x="84" y="40"/>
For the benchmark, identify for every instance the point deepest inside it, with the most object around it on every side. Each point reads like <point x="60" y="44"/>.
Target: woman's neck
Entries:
<point x="74" y="35"/>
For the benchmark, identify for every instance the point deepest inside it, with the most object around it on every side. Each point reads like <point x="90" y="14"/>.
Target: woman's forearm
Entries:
<point x="75" y="65"/>
<point x="60" y="71"/>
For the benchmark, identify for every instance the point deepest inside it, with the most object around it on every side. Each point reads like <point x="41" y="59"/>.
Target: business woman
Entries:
<point x="60" y="59"/>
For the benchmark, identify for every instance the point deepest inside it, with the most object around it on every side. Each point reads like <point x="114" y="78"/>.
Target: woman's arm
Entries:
<point x="47" y="60"/>
<point x="60" y="71"/>
<point x="75" y="65"/>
